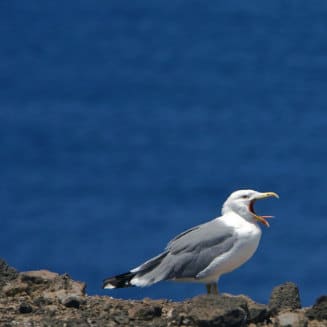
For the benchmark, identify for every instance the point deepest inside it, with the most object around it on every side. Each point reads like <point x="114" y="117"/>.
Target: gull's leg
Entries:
<point x="208" y="287"/>
<point x="215" y="288"/>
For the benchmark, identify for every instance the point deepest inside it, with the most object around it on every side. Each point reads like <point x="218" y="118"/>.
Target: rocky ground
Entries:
<point x="44" y="298"/>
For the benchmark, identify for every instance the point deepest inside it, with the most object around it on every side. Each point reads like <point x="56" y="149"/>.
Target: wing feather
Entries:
<point x="195" y="249"/>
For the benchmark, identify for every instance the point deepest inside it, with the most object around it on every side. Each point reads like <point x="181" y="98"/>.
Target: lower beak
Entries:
<point x="262" y="220"/>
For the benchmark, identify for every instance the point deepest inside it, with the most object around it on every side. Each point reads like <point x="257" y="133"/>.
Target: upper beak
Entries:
<point x="267" y="195"/>
<point x="260" y="196"/>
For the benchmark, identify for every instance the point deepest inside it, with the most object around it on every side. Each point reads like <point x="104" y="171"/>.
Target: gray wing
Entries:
<point x="188" y="254"/>
<point x="193" y="250"/>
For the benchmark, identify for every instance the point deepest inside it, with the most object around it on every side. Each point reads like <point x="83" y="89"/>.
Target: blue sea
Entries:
<point x="123" y="123"/>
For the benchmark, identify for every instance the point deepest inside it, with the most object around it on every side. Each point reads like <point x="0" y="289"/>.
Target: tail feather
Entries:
<point x="119" y="281"/>
<point x="145" y="274"/>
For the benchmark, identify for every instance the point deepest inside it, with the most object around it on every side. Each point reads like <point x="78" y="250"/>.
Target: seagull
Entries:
<point x="207" y="251"/>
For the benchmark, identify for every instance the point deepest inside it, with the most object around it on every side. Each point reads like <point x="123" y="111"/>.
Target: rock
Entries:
<point x="72" y="301"/>
<point x="66" y="283"/>
<point x="38" y="276"/>
<point x="15" y="287"/>
<point x="257" y="313"/>
<point x="69" y="293"/>
<point x="27" y="282"/>
<point x="7" y="273"/>
<point x="25" y="308"/>
<point x="291" y="319"/>
<point x="284" y="297"/>
<point x="145" y="312"/>
<point x="44" y="298"/>
<point x="211" y="310"/>
<point x="319" y="309"/>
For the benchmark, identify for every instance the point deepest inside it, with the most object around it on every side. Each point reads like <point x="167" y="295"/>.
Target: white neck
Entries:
<point x="240" y="210"/>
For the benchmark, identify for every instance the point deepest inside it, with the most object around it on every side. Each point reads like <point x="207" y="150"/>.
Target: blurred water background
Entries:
<point x="122" y="123"/>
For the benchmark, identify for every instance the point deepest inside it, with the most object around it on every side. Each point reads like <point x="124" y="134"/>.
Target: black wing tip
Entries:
<point x="119" y="281"/>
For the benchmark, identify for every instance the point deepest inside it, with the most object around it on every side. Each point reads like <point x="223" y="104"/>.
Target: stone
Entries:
<point x="319" y="309"/>
<point x="25" y="308"/>
<point x="7" y="273"/>
<point x="72" y="301"/>
<point x="284" y="297"/>
<point x="14" y="288"/>
<point x="292" y="319"/>
<point x="212" y="310"/>
<point x="257" y="313"/>
<point x="38" y="276"/>
<point x="145" y="312"/>
<point x="44" y="298"/>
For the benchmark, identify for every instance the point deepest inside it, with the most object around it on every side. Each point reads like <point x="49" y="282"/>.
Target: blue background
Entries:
<point x="122" y="123"/>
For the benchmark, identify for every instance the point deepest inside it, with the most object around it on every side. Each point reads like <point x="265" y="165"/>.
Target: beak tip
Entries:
<point x="272" y="194"/>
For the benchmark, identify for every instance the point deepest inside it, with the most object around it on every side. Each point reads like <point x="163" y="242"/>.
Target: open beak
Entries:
<point x="261" y="196"/>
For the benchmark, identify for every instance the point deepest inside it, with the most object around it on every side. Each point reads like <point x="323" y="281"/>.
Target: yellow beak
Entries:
<point x="265" y="195"/>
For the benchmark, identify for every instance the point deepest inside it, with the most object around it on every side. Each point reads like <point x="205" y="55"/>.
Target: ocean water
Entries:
<point x="124" y="123"/>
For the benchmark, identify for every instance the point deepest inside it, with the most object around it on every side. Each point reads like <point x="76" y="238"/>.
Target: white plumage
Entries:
<point x="207" y="251"/>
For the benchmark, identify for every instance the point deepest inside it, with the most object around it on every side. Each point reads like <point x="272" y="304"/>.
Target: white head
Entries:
<point x="242" y="203"/>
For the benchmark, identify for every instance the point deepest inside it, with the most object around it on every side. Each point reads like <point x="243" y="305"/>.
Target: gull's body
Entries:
<point x="207" y="251"/>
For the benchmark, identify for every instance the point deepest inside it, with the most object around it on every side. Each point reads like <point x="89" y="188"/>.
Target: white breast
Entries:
<point x="248" y="237"/>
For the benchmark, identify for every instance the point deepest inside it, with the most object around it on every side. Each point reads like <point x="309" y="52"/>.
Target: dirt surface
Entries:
<point x="44" y="298"/>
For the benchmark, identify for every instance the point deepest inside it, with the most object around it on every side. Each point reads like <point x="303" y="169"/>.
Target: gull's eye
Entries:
<point x="245" y="196"/>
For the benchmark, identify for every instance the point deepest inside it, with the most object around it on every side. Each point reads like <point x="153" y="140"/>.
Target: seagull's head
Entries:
<point x="242" y="203"/>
